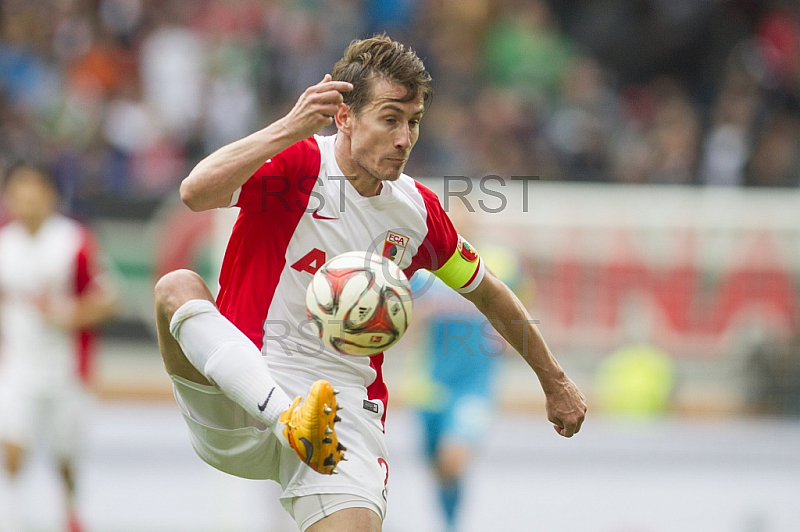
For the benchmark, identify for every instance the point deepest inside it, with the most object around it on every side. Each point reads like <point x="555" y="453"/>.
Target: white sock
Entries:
<point x="227" y="358"/>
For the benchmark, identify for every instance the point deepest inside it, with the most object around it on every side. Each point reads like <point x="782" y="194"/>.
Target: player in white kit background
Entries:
<point x="52" y="291"/>
<point x="304" y="199"/>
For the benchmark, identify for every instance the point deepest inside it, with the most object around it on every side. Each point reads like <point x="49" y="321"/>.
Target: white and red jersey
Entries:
<point x="50" y="267"/>
<point x="297" y="211"/>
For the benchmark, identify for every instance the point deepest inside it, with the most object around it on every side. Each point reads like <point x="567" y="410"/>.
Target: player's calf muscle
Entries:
<point x="176" y="363"/>
<point x="171" y="292"/>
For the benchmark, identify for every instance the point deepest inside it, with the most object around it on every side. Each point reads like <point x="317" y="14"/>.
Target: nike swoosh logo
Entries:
<point x="317" y="216"/>
<point x="263" y="406"/>
<point x="309" y="449"/>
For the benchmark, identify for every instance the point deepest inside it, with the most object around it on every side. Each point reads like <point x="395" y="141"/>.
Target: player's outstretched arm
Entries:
<point x="212" y="182"/>
<point x="566" y="406"/>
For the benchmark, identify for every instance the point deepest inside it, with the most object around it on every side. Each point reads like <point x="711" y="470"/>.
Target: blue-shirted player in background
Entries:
<point x="455" y="393"/>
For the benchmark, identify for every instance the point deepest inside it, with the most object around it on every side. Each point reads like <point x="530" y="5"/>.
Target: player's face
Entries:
<point x="29" y="199"/>
<point x="384" y="131"/>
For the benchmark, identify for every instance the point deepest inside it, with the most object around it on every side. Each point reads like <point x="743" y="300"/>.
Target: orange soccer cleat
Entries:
<point x="310" y="428"/>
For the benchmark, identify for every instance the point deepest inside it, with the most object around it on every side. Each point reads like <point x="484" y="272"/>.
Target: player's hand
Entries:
<point x="316" y="107"/>
<point x="566" y="407"/>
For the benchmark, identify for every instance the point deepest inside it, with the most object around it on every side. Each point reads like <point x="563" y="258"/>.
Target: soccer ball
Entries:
<point x="360" y="303"/>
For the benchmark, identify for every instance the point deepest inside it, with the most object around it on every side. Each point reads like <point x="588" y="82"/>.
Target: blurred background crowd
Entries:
<point x="122" y="97"/>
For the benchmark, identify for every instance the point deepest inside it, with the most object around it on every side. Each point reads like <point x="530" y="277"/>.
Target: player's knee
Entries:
<point x="177" y="287"/>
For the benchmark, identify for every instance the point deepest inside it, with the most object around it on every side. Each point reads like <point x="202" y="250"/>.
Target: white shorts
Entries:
<point x="225" y="436"/>
<point x="49" y="416"/>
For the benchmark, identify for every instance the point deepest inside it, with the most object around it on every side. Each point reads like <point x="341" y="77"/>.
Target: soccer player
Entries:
<point x="52" y="290"/>
<point x="303" y="199"/>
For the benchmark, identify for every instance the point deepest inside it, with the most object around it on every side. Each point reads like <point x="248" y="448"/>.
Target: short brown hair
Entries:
<point x="380" y="56"/>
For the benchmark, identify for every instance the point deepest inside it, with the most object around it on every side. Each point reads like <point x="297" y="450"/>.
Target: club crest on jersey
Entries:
<point x="467" y="251"/>
<point x="394" y="247"/>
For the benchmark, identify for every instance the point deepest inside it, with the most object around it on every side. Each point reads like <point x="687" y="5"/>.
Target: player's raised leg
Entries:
<point x="199" y="344"/>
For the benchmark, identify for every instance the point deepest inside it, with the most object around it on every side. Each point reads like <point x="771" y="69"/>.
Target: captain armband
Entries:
<point x="464" y="270"/>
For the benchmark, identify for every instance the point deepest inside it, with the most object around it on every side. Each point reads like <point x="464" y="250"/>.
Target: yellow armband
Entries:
<point x="463" y="271"/>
